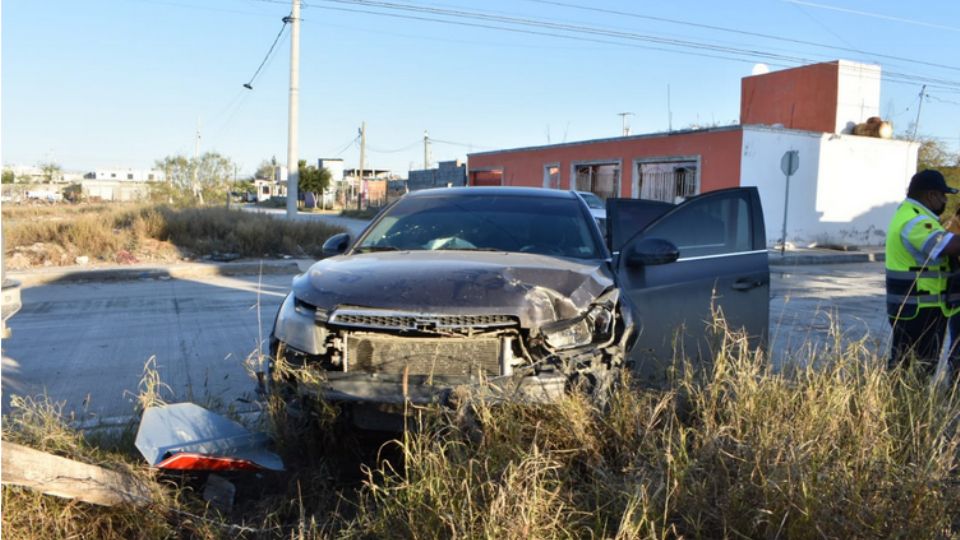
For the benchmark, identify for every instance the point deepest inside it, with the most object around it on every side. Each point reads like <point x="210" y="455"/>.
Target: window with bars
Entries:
<point x="667" y="181"/>
<point x="602" y="179"/>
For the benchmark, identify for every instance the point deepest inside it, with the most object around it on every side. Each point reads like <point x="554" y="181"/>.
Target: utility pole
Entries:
<point x="293" y="167"/>
<point x="197" y="192"/>
<point x="623" y="122"/>
<point x="363" y="149"/>
<point x="669" y="111"/>
<point x="916" y="124"/>
<point x="426" y="150"/>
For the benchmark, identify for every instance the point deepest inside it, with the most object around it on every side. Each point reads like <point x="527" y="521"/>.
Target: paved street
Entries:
<point x="806" y="300"/>
<point x="86" y="343"/>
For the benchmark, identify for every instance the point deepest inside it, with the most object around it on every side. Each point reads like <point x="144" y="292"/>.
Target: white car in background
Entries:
<point x="597" y="208"/>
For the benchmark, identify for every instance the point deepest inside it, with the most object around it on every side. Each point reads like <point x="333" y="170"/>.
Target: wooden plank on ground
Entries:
<point x="55" y="475"/>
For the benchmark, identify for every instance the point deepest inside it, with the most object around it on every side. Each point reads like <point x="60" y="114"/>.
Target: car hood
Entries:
<point x="536" y="289"/>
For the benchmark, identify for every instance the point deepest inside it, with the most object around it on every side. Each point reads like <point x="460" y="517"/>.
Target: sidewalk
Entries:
<point x="79" y="274"/>
<point x="802" y="256"/>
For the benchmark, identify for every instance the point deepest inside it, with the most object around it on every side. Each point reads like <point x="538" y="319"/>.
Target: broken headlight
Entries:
<point x="596" y="324"/>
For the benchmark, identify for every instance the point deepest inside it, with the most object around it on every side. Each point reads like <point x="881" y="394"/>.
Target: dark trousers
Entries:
<point x="920" y="338"/>
<point x="954" y="358"/>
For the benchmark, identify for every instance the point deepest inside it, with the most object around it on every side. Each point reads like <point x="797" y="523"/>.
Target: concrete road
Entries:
<point x="86" y="344"/>
<point x="811" y="303"/>
<point x="353" y="226"/>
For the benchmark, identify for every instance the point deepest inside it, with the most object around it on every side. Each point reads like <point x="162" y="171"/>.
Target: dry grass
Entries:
<point x="55" y="236"/>
<point x="846" y="449"/>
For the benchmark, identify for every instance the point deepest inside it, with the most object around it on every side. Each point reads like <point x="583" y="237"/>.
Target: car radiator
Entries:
<point x="389" y="355"/>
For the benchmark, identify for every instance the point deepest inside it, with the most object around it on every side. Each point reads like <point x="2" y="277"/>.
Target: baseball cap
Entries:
<point x="930" y="180"/>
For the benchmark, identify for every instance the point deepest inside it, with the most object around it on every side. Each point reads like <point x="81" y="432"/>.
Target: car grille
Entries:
<point x="391" y="320"/>
<point x="391" y="355"/>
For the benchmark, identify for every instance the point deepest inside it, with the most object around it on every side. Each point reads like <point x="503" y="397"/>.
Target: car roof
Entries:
<point x="488" y="191"/>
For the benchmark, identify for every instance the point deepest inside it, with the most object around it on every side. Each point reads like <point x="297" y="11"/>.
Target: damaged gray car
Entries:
<point x="515" y="293"/>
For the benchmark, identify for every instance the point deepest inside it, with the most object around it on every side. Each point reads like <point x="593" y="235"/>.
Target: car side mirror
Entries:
<point x="650" y="251"/>
<point x="336" y="244"/>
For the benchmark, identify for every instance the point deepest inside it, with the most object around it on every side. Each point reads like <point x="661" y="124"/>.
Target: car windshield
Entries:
<point x="542" y="225"/>
<point x="592" y="200"/>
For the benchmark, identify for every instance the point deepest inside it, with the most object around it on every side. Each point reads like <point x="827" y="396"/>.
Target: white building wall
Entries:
<point x="760" y="166"/>
<point x="335" y="166"/>
<point x="844" y="191"/>
<point x="861" y="182"/>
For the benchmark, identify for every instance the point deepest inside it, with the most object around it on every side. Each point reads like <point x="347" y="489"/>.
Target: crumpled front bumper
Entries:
<point x="365" y="388"/>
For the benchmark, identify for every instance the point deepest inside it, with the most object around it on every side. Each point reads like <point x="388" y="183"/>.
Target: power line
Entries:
<point x="347" y="146"/>
<point x="249" y="85"/>
<point x="564" y="31"/>
<point x="538" y="33"/>
<point x="395" y="150"/>
<point x="874" y="15"/>
<point x="738" y="31"/>
<point x="465" y="145"/>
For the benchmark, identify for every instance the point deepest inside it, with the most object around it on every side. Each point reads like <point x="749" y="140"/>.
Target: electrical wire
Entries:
<point x="874" y="15"/>
<point x="347" y="146"/>
<point x="249" y="84"/>
<point x="395" y="150"/>
<point x="623" y="38"/>
<point x="738" y="31"/>
<point x="465" y="145"/>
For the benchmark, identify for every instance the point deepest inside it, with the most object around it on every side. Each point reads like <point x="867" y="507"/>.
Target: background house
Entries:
<point x="845" y="189"/>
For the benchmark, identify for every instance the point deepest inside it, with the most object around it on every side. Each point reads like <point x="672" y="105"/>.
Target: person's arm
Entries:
<point x="952" y="246"/>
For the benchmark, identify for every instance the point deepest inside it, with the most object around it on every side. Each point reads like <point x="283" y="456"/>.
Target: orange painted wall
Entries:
<point x="799" y="98"/>
<point x="719" y="152"/>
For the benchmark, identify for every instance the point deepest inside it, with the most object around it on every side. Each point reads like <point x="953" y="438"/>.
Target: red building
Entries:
<point x="812" y="109"/>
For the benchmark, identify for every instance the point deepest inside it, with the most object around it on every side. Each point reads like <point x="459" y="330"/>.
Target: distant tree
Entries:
<point x="51" y="171"/>
<point x="934" y="154"/>
<point x="314" y="180"/>
<point x="73" y="192"/>
<point x="245" y="188"/>
<point x="193" y="180"/>
<point x="267" y="168"/>
<point x="9" y="177"/>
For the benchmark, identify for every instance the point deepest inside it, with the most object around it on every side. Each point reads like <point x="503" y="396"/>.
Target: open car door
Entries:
<point x="678" y="264"/>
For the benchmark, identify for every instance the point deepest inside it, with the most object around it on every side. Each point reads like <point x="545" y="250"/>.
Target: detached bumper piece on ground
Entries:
<point x="185" y="436"/>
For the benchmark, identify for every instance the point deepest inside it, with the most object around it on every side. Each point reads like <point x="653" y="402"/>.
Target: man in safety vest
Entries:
<point x="917" y="259"/>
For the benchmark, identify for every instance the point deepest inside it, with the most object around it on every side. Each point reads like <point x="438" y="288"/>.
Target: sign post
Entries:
<point x="789" y="164"/>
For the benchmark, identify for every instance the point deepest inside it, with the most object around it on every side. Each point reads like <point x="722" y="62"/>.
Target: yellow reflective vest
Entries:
<point x="915" y="279"/>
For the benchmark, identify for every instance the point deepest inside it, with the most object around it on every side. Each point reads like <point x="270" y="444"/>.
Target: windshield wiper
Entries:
<point x="469" y="249"/>
<point x="370" y="249"/>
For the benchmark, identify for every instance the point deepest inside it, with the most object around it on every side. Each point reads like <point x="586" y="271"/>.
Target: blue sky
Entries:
<point x="121" y="83"/>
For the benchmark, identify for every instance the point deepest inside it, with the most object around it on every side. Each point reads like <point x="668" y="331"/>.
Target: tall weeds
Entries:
<point x="837" y="448"/>
<point x="144" y="233"/>
<point x="842" y="450"/>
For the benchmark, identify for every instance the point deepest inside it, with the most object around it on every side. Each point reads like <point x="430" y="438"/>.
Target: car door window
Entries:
<point x="712" y="226"/>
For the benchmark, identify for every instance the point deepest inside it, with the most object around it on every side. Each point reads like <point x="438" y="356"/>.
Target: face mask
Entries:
<point x="939" y="208"/>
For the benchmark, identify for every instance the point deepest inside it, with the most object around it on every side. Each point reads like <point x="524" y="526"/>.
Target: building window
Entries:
<point x="551" y="176"/>
<point x="602" y="179"/>
<point x="113" y="175"/>
<point x="150" y="176"/>
<point x="129" y="176"/>
<point x="486" y="178"/>
<point x="667" y="181"/>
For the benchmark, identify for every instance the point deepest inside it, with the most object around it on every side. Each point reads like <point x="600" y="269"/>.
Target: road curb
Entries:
<point x="796" y="259"/>
<point x="176" y="271"/>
